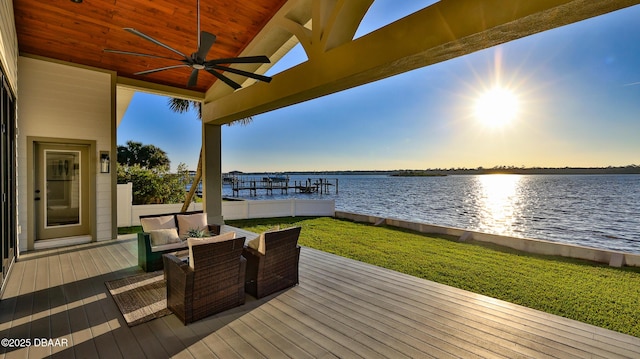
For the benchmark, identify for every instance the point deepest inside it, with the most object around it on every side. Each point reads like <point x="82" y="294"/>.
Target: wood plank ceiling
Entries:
<point x="78" y="32"/>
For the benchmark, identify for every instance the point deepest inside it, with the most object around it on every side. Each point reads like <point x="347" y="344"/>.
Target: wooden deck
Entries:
<point x="342" y="308"/>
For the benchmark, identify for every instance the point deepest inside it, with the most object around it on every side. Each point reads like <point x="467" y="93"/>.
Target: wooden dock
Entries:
<point x="267" y="184"/>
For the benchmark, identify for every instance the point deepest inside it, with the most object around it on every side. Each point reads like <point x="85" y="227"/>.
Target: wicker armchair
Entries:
<point x="216" y="284"/>
<point x="277" y="269"/>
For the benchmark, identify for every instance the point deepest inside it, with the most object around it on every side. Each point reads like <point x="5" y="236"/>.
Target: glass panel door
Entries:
<point x="62" y="190"/>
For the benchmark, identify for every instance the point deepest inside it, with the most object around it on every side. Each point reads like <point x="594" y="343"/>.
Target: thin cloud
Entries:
<point x="632" y="84"/>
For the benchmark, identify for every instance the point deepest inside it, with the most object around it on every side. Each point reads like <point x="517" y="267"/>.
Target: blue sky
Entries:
<point x="577" y="90"/>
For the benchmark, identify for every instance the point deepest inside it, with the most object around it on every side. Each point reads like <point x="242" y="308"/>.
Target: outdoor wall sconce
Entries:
<point x="104" y="161"/>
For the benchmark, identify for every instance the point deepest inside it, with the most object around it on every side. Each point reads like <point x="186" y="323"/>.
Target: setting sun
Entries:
<point x="496" y="107"/>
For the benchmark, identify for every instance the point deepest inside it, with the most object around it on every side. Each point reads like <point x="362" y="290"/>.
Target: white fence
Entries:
<point x="129" y="215"/>
<point x="277" y="208"/>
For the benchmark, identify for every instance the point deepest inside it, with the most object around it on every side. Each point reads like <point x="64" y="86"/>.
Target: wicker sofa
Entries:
<point x="211" y="282"/>
<point x="150" y="255"/>
<point x="272" y="262"/>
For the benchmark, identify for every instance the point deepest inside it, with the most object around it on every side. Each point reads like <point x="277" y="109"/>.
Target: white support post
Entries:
<point x="212" y="173"/>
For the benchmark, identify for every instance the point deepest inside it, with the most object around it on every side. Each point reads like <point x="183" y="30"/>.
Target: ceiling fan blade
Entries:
<point x="240" y="72"/>
<point x="226" y="80"/>
<point x="139" y="54"/>
<point x="149" y="38"/>
<point x="240" y="60"/>
<point x="206" y="41"/>
<point x="160" y="69"/>
<point x="193" y="79"/>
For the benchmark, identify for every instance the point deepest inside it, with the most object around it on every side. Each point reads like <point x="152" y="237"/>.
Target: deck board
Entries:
<point x="101" y="325"/>
<point x="342" y="308"/>
<point x="295" y="340"/>
<point x="353" y="330"/>
<point x="58" y="318"/>
<point x="39" y="326"/>
<point x="433" y="328"/>
<point x="444" y="312"/>
<point x="410" y="339"/>
<point x="284" y="346"/>
<point x="80" y="315"/>
<point x="518" y="321"/>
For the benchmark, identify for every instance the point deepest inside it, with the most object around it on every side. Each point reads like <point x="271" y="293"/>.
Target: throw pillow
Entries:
<point x="258" y="242"/>
<point x="192" y="242"/>
<point x="191" y="221"/>
<point x="164" y="236"/>
<point x="161" y="222"/>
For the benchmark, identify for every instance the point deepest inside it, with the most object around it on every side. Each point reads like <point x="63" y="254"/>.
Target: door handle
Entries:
<point x="37" y="198"/>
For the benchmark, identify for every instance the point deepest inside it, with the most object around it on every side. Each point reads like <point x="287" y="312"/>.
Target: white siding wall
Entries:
<point x="65" y="102"/>
<point x="8" y="42"/>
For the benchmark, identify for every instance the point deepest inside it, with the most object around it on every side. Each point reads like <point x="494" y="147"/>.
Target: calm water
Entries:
<point x="593" y="210"/>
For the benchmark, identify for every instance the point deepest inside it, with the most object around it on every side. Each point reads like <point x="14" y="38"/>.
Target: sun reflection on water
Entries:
<point x="499" y="203"/>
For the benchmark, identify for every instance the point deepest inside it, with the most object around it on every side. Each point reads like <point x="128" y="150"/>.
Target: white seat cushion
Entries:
<point x="170" y="246"/>
<point x="191" y="242"/>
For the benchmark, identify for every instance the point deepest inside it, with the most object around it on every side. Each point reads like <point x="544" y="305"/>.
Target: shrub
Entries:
<point x="155" y="186"/>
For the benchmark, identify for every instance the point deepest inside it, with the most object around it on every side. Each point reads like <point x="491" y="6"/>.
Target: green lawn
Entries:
<point x="129" y="230"/>
<point x="581" y="290"/>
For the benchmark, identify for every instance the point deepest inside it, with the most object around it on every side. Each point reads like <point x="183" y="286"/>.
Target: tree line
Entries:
<point x="147" y="168"/>
<point x="630" y="169"/>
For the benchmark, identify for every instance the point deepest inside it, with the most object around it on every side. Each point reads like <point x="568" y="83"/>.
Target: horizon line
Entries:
<point x="454" y="169"/>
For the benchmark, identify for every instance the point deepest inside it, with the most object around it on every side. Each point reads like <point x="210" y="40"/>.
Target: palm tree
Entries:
<point x="181" y="106"/>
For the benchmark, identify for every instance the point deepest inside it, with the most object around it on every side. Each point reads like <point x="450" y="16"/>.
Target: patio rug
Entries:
<point x="141" y="297"/>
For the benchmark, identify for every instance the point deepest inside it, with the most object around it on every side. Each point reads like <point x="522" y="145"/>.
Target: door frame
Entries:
<point x="8" y="186"/>
<point x="31" y="185"/>
<point x="50" y="197"/>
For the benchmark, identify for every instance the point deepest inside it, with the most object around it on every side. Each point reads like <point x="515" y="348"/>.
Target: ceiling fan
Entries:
<point x="197" y="61"/>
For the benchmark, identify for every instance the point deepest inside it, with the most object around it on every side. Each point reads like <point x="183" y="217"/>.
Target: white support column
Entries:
<point x="212" y="173"/>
